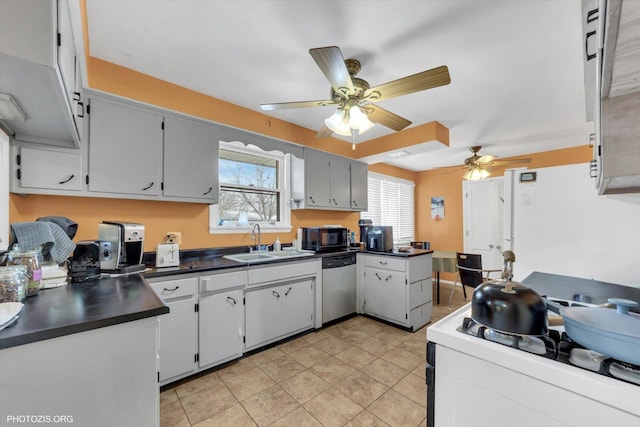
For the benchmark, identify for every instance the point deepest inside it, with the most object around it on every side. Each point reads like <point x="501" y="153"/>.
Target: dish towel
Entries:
<point x="31" y="235"/>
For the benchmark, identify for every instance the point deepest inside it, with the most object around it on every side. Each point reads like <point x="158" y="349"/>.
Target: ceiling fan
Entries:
<point x="355" y="98"/>
<point x="480" y="167"/>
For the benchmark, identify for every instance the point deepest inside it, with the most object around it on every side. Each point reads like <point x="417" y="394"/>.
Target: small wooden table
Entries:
<point x="443" y="261"/>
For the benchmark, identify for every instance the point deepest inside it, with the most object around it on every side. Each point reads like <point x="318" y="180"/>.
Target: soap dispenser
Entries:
<point x="277" y="246"/>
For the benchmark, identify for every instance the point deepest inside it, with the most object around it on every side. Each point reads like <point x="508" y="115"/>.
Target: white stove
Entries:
<point x="479" y="382"/>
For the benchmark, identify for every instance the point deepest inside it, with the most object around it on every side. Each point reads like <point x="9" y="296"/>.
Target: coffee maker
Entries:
<point x="127" y="244"/>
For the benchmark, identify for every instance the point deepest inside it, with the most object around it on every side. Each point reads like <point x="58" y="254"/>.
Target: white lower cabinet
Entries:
<point x="214" y="317"/>
<point x="385" y="294"/>
<point x="221" y="317"/>
<point x="275" y="312"/>
<point x="395" y="288"/>
<point x="178" y="329"/>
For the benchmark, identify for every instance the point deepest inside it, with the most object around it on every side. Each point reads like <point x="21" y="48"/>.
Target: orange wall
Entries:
<point x="192" y="219"/>
<point x="447" y="234"/>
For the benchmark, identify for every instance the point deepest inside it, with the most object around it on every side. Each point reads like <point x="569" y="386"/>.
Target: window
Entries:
<point x="252" y="190"/>
<point x="391" y="203"/>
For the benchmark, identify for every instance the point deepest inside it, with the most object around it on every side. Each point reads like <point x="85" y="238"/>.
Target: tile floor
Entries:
<point x="359" y="372"/>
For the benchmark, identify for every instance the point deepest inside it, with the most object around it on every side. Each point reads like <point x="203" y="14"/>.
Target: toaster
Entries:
<point x="167" y="255"/>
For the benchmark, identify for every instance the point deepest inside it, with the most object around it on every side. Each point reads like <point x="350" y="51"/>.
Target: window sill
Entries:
<point x="233" y="229"/>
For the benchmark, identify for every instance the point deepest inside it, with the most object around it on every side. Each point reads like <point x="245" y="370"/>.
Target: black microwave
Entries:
<point x="325" y="239"/>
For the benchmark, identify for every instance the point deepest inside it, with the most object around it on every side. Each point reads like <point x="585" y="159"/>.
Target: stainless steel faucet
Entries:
<point x="253" y="234"/>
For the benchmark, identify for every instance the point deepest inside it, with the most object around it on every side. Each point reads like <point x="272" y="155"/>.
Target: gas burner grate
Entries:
<point x="545" y="345"/>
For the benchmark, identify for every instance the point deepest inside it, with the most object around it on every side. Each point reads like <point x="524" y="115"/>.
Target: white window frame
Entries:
<point x="284" y="225"/>
<point x="383" y="200"/>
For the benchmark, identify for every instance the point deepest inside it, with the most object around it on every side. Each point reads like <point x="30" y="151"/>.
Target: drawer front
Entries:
<point x="175" y="288"/>
<point x="420" y="292"/>
<point x="385" y="262"/>
<point x="420" y="316"/>
<point x="221" y="281"/>
<point x="281" y="272"/>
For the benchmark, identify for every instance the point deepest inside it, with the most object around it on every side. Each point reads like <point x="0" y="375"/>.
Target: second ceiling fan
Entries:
<point x="480" y="167"/>
<point x="355" y="98"/>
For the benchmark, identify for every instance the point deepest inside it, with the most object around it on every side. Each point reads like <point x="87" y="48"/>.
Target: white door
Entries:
<point x="221" y="327"/>
<point x="297" y="306"/>
<point x="263" y="315"/>
<point x="178" y="339"/>
<point x="483" y="207"/>
<point x="385" y="294"/>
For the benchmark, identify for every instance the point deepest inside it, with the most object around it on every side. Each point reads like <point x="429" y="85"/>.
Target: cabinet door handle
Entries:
<point x="590" y="56"/>
<point x="382" y="262"/>
<point x="208" y="191"/>
<point x="312" y="200"/>
<point x="334" y="201"/>
<point x="275" y="294"/>
<point x="81" y="105"/>
<point x="147" y="187"/>
<point x="288" y="290"/>
<point x="386" y="279"/>
<point x="170" y="290"/>
<point x="378" y="276"/>
<point x="354" y="203"/>
<point x="233" y="301"/>
<point x="67" y="180"/>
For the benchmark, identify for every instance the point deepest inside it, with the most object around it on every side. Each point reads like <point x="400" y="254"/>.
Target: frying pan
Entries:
<point x="615" y="333"/>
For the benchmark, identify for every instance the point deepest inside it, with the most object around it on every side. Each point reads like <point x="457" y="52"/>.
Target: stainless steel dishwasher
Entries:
<point x="338" y="286"/>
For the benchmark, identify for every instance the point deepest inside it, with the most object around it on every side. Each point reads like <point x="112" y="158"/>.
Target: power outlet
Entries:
<point x="176" y="236"/>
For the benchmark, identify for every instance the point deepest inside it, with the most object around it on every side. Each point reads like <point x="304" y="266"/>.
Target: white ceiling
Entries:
<point x="516" y="66"/>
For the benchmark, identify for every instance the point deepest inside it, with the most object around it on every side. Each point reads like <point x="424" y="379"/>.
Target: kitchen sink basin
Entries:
<point x="291" y="254"/>
<point x="250" y="257"/>
<point x="253" y="257"/>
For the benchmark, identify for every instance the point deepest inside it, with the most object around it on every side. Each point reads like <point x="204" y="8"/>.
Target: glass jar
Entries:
<point x="31" y="260"/>
<point x="13" y="283"/>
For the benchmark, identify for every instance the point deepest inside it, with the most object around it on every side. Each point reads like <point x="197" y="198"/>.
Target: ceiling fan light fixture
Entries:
<point x="337" y="123"/>
<point x="359" y="120"/>
<point x="476" y="174"/>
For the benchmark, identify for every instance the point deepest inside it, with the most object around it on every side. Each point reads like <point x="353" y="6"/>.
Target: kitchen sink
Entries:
<point x="250" y="257"/>
<point x="253" y="257"/>
<point x="291" y="254"/>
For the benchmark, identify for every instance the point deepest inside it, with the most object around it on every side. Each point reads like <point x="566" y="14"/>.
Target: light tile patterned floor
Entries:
<point x="360" y="372"/>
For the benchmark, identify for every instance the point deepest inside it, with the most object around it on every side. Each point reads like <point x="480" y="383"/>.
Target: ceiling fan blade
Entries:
<point x="324" y="132"/>
<point x="486" y="158"/>
<point x="331" y="62"/>
<point x="385" y="117"/>
<point x="415" y="83"/>
<point x="509" y="162"/>
<point x="301" y="104"/>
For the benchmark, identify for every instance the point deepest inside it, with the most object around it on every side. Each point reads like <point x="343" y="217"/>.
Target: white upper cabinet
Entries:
<point x="47" y="169"/>
<point x="334" y="182"/>
<point x="359" y="186"/>
<point x="125" y="149"/>
<point x="190" y="159"/>
<point x="38" y="67"/>
<point x="339" y="169"/>
<point x="317" y="186"/>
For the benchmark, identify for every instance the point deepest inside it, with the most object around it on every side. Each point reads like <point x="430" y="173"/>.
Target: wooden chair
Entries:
<point x="470" y="272"/>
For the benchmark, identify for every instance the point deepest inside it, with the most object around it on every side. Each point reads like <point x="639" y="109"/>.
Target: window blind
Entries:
<point x="391" y="203"/>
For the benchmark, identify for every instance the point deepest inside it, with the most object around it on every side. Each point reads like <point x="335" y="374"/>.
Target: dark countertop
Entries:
<point x="413" y="252"/>
<point x="81" y="307"/>
<point x="110" y="301"/>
